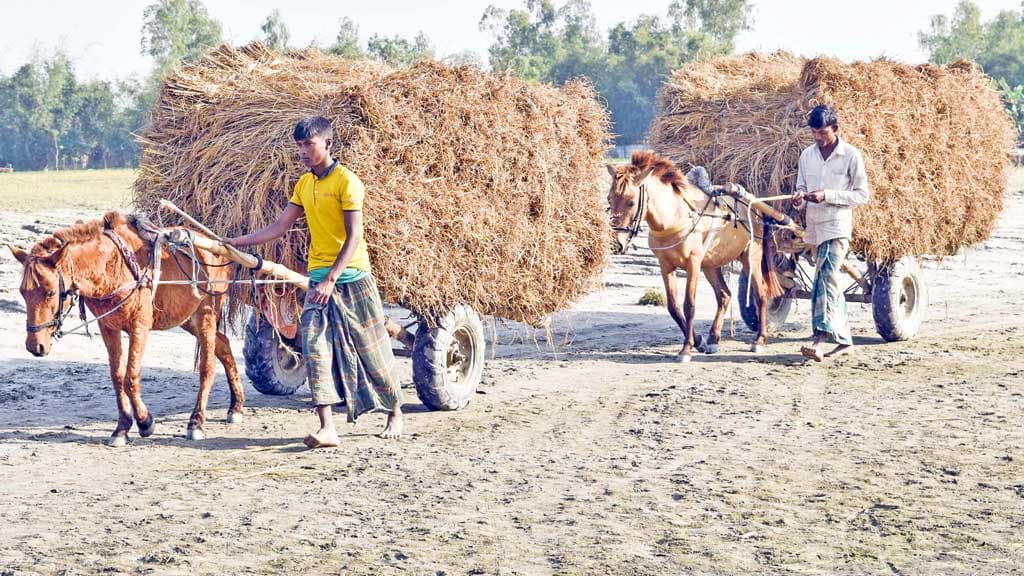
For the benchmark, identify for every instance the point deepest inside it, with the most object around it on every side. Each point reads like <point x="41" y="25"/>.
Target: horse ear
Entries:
<point x="611" y="170"/>
<point x="19" y="254"/>
<point x="54" y="258"/>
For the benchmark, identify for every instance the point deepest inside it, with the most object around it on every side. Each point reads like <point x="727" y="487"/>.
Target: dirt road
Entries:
<point x="603" y="457"/>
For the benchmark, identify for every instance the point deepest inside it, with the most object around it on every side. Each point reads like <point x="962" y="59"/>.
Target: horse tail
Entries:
<point x="768" y="252"/>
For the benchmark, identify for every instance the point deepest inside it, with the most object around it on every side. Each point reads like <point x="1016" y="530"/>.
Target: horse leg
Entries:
<point x="668" y="276"/>
<point x="227" y="359"/>
<point x="137" y="339"/>
<point x="759" y="288"/>
<point x="222" y="350"/>
<point x="723" y="296"/>
<point x="112" y="340"/>
<point x="204" y="326"/>
<point x="690" y="307"/>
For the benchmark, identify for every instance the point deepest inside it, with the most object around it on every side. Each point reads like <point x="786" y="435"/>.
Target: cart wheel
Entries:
<point x="899" y="299"/>
<point x="778" y="308"/>
<point x="448" y="361"/>
<point x="273" y="363"/>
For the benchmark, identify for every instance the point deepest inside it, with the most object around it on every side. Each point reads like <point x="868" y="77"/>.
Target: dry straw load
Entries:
<point x="481" y="188"/>
<point x="935" y="139"/>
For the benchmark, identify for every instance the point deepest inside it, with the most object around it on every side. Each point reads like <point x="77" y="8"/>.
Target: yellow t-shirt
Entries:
<point x="325" y="201"/>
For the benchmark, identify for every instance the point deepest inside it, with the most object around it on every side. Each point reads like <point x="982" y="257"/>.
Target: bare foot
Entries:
<point x="812" y="352"/>
<point x="322" y="439"/>
<point x="393" y="428"/>
<point x="839" y="350"/>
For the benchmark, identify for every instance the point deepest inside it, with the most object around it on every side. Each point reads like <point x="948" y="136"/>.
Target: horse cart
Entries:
<point x="933" y="140"/>
<point x="479" y="196"/>
<point x="447" y="355"/>
<point x="895" y="290"/>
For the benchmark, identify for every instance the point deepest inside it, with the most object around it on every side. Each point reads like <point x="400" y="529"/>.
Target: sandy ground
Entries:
<point x="603" y="457"/>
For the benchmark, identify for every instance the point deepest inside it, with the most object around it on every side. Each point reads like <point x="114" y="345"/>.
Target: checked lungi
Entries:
<point x="828" y="303"/>
<point x="348" y="351"/>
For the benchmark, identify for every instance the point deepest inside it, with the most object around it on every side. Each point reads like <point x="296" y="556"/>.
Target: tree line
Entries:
<point x="49" y="119"/>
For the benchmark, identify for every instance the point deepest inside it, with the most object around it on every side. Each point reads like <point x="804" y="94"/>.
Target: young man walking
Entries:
<point x="345" y="344"/>
<point x="830" y="182"/>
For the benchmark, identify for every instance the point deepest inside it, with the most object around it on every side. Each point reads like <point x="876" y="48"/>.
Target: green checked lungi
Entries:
<point x="348" y="351"/>
<point x="828" y="303"/>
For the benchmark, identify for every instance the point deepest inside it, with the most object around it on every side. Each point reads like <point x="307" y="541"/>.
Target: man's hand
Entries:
<point x="322" y="293"/>
<point x="800" y="197"/>
<point x="237" y="242"/>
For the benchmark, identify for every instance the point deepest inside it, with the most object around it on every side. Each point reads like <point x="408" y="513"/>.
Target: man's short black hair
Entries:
<point x="311" y="126"/>
<point x="822" y="116"/>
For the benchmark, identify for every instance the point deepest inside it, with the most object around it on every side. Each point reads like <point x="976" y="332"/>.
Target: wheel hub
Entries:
<point x="460" y="355"/>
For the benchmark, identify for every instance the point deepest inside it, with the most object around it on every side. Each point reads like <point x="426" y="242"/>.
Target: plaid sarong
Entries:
<point x="348" y="350"/>
<point x="828" y="303"/>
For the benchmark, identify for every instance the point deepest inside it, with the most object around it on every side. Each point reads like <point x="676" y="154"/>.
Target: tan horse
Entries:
<point x="85" y="261"/>
<point x="689" y="231"/>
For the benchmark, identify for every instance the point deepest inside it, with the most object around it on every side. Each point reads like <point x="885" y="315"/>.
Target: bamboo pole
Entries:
<point x="249" y="261"/>
<point x="216" y="245"/>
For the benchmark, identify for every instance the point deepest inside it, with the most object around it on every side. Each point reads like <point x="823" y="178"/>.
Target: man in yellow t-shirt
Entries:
<point x="345" y="344"/>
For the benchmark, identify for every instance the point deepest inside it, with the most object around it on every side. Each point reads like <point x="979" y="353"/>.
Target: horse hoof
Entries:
<point x="711" y="349"/>
<point x="234" y="418"/>
<point x="684" y="358"/>
<point x="195" y="434"/>
<point x="147" y="428"/>
<point x="757" y="348"/>
<point x="117" y="441"/>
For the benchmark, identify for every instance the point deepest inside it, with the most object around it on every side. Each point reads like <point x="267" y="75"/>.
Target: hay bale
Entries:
<point x="934" y="138"/>
<point x="481" y="188"/>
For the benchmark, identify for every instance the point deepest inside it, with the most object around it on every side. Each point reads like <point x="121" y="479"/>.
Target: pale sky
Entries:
<point x="103" y="36"/>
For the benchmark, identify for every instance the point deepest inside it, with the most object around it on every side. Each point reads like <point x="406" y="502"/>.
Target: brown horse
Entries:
<point x="86" y="261"/>
<point x="689" y="231"/>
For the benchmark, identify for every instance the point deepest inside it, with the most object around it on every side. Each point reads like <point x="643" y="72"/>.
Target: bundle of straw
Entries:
<point x="481" y="189"/>
<point x="934" y="139"/>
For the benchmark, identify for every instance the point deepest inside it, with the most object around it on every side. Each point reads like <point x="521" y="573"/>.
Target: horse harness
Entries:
<point x="65" y="294"/>
<point x="70" y="293"/>
<point x="714" y="196"/>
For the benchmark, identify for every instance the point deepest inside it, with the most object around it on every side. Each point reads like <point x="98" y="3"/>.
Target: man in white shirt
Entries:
<point x="830" y="182"/>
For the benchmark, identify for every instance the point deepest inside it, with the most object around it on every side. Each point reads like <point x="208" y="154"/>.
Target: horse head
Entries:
<point x="626" y="203"/>
<point x="46" y="291"/>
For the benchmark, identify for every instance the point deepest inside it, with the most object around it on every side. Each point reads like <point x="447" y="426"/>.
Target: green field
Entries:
<point x="98" y="190"/>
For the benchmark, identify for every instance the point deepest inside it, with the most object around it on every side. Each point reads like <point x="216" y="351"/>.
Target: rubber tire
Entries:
<point x="899" y="299"/>
<point x="434" y="385"/>
<point x="778" y="308"/>
<point x="263" y="351"/>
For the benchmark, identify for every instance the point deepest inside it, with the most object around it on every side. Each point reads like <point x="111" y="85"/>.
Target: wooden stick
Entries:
<point x="251" y="262"/>
<point x="167" y="204"/>
<point x="273" y="269"/>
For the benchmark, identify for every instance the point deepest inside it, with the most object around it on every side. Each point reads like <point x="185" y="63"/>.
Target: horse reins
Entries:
<point x="638" y="217"/>
<point x="64" y="295"/>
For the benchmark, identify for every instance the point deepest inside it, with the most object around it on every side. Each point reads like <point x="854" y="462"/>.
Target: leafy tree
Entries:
<point x="397" y="51"/>
<point x="177" y="30"/>
<point x="275" y="33"/>
<point x="961" y="36"/>
<point x="554" y="44"/>
<point x="997" y="46"/>
<point x="346" y="44"/>
<point x="89" y="136"/>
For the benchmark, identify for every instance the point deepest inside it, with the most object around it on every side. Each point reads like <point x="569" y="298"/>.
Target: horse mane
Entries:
<point x="661" y="168"/>
<point x="80" y="232"/>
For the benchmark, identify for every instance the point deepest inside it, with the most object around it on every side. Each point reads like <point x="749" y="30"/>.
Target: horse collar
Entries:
<point x="126" y="254"/>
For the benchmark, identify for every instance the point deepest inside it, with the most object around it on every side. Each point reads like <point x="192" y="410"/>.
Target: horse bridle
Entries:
<point x="66" y="295"/>
<point x="638" y="218"/>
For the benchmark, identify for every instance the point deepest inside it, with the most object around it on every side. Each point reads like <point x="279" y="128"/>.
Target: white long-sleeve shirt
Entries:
<point x="845" y="182"/>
